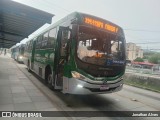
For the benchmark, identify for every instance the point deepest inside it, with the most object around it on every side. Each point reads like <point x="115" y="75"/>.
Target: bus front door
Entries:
<point x="61" y="55"/>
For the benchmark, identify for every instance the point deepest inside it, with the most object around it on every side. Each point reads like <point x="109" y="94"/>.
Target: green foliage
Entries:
<point x="155" y="58"/>
<point x="147" y="55"/>
<point x="138" y="59"/>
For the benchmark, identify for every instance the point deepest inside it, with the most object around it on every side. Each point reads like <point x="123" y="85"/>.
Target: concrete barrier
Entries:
<point x="143" y="81"/>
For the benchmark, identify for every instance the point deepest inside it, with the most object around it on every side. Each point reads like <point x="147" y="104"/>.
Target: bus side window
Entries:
<point x="39" y="42"/>
<point x="36" y="44"/>
<point x="52" y="38"/>
<point x="44" y="40"/>
<point x="26" y="47"/>
<point x="29" y="45"/>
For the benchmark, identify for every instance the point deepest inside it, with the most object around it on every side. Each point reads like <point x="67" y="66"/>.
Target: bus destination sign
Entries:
<point x="100" y="24"/>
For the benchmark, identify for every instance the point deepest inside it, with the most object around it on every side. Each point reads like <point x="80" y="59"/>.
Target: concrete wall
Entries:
<point x="143" y="81"/>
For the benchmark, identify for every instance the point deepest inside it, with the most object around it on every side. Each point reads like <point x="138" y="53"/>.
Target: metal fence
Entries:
<point x="130" y="69"/>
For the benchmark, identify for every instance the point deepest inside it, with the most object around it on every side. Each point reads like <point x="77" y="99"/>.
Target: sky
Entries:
<point x="140" y="19"/>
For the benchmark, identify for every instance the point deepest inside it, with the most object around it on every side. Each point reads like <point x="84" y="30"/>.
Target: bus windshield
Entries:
<point x="96" y="47"/>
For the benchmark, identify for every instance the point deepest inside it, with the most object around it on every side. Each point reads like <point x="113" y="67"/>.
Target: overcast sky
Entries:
<point x="140" y="19"/>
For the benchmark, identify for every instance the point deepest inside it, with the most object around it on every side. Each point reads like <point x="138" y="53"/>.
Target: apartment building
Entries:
<point x="133" y="51"/>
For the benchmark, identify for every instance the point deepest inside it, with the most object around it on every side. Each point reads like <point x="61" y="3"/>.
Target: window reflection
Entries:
<point x="96" y="47"/>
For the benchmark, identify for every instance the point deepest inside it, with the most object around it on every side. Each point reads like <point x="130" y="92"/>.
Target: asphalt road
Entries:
<point x="128" y="99"/>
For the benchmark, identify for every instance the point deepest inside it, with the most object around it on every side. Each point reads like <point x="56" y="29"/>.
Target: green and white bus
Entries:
<point x="80" y="54"/>
<point x="17" y="52"/>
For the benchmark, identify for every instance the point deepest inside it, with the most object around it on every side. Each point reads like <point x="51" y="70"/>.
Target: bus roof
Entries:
<point x="89" y="20"/>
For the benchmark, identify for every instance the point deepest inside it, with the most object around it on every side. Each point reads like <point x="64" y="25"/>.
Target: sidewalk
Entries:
<point x="17" y="92"/>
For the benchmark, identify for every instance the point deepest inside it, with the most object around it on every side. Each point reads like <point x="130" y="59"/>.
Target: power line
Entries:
<point x="57" y="6"/>
<point x="141" y="30"/>
<point x="137" y="38"/>
<point x="150" y="48"/>
<point x="153" y="49"/>
<point x="131" y="36"/>
<point x="148" y="43"/>
<point x="147" y="40"/>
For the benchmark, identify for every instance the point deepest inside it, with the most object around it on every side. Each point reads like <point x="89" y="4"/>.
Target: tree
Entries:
<point x="148" y="54"/>
<point x="138" y="59"/>
<point x="155" y="58"/>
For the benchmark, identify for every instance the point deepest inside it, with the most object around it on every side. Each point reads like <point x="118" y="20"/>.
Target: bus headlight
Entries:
<point x="20" y="57"/>
<point x="80" y="86"/>
<point x="77" y="75"/>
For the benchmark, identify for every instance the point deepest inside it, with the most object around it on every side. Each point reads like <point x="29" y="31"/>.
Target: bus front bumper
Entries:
<point x="76" y="86"/>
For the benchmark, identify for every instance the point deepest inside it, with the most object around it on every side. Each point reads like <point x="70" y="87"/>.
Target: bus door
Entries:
<point x="61" y="54"/>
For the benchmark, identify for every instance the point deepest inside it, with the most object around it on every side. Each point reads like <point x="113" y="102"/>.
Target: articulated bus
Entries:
<point x="17" y="52"/>
<point x="80" y="54"/>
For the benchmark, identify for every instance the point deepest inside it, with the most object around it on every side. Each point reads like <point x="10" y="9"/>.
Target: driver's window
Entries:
<point x="116" y="48"/>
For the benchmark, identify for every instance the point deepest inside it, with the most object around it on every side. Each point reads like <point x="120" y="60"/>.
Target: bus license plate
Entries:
<point x="104" y="87"/>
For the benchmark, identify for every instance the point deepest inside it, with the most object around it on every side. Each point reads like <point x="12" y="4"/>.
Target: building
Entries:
<point x="143" y="65"/>
<point x="133" y="51"/>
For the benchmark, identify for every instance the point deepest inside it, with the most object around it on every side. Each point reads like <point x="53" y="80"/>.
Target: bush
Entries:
<point x="155" y="58"/>
<point x="139" y="60"/>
